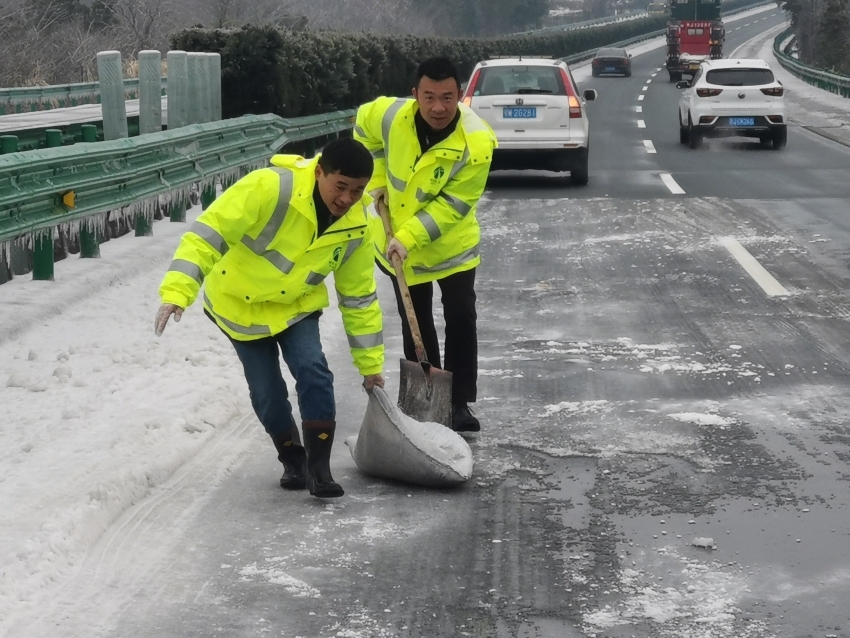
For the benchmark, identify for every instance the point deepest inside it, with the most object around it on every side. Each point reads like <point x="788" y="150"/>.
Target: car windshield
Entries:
<point x="739" y="77"/>
<point x="510" y="80"/>
<point x="611" y="53"/>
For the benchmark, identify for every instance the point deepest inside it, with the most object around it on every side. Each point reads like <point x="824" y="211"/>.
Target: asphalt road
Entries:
<point x="665" y="443"/>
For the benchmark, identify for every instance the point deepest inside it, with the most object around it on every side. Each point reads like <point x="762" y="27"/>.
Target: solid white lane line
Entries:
<point x="641" y="124"/>
<point x="650" y="147"/>
<point x="763" y="278"/>
<point x="670" y="183"/>
<point x="638" y="109"/>
<point x="640" y="97"/>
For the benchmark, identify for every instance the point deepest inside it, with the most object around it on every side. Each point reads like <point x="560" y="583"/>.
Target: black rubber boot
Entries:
<point x="463" y="420"/>
<point x="291" y="453"/>
<point x="318" y="441"/>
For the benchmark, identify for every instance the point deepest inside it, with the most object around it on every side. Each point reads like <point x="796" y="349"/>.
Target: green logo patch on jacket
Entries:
<point x="439" y="173"/>
<point x="333" y="264"/>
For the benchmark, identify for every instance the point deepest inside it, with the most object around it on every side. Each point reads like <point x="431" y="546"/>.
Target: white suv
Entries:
<point x="733" y="98"/>
<point x="535" y="109"/>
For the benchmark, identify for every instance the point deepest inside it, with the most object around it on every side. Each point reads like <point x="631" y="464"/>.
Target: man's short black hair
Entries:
<point x="348" y="157"/>
<point x="437" y="69"/>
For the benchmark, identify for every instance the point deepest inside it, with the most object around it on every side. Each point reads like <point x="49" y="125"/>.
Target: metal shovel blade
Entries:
<point x="425" y="396"/>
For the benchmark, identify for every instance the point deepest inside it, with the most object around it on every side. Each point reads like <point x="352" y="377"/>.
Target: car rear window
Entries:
<point x="520" y="80"/>
<point x="739" y="77"/>
<point x="611" y="53"/>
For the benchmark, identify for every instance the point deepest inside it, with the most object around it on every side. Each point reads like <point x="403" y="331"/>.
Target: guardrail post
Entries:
<point x="52" y="138"/>
<point x="150" y="92"/>
<point x="89" y="133"/>
<point x="207" y="196"/>
<point x="89" y="231"/>
<point x="42" y="257"/>
<point x="112" y="95"/>
<point x="8" y="144"/>
<point x="89" y="239"/>
<point x="177" y="209"/>
<point x="144" y="224"/>
<point x="177" y="89"/>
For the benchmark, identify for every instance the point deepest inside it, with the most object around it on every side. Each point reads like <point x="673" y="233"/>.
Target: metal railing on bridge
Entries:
<point x="827" y="80"/>
<point x="30" y="99"/>
<point x="74" y="188"/>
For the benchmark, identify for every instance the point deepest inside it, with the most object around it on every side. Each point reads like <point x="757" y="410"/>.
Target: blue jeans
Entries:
<point x="302" y="352"/>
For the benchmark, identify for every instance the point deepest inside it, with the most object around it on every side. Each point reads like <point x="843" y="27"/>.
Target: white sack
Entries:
<point x="393" y="445"/>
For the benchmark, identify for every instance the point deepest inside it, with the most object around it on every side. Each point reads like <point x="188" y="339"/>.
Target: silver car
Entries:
<point x="537" y="113"/>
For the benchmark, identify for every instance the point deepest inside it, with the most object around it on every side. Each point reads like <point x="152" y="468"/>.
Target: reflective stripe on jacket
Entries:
<point x="432" y="198"/>
<point x="256" y="252"/>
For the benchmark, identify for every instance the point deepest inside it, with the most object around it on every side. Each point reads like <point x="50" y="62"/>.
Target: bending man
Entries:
<point x="262" y="251"/>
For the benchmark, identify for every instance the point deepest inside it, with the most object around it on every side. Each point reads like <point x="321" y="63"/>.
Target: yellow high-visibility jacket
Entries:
<point x="256" y="252"/>
<point x="432" y="196"/>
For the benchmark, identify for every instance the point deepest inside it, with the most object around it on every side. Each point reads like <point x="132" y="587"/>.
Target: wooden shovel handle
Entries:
<point x="402" y="285"/>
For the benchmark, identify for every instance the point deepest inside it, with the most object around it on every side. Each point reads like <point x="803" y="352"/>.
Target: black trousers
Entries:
<point x="461" y="347"/>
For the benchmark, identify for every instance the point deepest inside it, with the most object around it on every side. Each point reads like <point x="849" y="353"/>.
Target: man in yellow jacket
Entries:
<point x="262" y="252"/>
<point x="432" y="158"/>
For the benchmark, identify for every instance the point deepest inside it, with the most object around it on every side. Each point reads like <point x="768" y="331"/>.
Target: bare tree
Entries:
<point x="142" y="24"/>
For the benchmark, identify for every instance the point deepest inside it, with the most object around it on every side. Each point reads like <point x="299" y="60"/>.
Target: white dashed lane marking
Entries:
<point x="644" y="88"/>
<point x="638" y="109"/>
<point x="670" y="183"/>
<point x="641" y="124"/>
<point x="650" y="147"/>
<point x="640" y="97"/>
<point x="755" y="270"/>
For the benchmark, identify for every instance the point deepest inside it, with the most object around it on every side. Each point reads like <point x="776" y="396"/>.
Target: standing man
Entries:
<point x="262" y="251"/>
<point x="432" y="158"/>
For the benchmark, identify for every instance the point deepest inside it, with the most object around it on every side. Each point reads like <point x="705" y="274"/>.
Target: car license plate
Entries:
<point x="610" y="68"/>
<point x="521" y="113"/>
<point x="742" y="121"/>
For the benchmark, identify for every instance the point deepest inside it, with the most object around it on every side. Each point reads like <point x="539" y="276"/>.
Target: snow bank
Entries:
<point x="97" y="412"/>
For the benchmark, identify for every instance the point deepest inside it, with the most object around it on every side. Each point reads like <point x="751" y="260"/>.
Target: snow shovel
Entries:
<point x="425" y="392"/>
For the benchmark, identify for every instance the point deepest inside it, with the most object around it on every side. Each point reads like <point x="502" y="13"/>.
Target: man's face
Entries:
<point x="438" y="101"/>
<point x="339" y="192"/>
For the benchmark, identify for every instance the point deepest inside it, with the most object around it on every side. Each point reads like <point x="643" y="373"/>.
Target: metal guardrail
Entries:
<point x="112" y="175"/>
<point x="35" y="138"/>
<point x="30" y="98"/>
<point x="827" y="80"/>
<point x="586" y="55"/>
<point x="585" y="24"/>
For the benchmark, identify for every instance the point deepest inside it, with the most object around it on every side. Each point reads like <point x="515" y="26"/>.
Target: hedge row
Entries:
<point x="298" y="73"/>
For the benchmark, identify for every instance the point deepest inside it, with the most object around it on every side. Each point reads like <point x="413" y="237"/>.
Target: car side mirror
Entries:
<point x="683" y="84"/>
<point x="590" y="95"/>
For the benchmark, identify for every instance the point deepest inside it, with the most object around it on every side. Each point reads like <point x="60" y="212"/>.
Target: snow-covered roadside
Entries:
<point x="96" y="411"/>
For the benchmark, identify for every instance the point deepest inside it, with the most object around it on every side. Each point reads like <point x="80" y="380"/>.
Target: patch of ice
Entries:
<point x="698" y="418"/>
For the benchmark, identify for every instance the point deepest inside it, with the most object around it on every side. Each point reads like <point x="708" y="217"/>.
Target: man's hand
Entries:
<point x="395" y="246"/>
<point x="380" y="194"/>
<point x="373" y="380"/>
<point x="165" y="311"/>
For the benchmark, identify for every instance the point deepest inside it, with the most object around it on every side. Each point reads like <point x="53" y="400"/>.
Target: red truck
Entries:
<point x="695" y="32"/>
